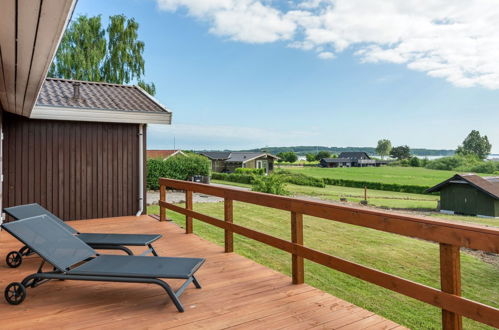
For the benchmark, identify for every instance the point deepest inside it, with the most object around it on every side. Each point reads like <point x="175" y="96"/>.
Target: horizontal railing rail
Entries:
<point x="450" y="236"/>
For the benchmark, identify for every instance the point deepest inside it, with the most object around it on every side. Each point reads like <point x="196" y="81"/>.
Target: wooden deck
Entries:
<point x="236" y="293"/>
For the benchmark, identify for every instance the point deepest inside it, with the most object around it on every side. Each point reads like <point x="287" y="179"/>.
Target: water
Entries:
<point x="490" y="157"/>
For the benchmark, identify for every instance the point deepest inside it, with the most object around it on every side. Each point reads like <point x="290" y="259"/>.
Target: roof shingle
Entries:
<point x="97" y="95"/>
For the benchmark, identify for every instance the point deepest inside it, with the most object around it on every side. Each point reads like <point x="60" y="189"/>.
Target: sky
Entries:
<point x="241" y="74"/>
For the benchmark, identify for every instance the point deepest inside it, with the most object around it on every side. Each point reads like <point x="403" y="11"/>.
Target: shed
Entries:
<point x="81" y="152"/>
<point x="469" y="194"/>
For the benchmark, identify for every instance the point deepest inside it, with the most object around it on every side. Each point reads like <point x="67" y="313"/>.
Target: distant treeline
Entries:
<point x="303" y="150"/>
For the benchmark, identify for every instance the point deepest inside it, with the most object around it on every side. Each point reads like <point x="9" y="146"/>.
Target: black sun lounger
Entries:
<point x="73" y="259"/>
<point x="95" y="240"/>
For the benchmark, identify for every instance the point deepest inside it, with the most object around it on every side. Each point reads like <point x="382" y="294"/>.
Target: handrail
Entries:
<point x="451" y="236"/>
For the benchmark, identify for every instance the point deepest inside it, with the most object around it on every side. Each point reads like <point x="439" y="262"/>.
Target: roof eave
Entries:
<point x="101" y="115"/>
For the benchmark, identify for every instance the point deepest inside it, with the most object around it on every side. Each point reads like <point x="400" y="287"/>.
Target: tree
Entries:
<point x="401" y="152"/>
<point x="384" y="147"/>
<point x="322" y="154"/>
<point x="476" y="145"/>
<point x="287" y="156"/>
<point x="114" y="55"/>
<point x="82" y="51"/>
<point x="310" y="157"/>
<point x="150" y="88"/>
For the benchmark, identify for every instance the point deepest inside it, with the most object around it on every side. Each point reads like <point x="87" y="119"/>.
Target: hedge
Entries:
<point x="180" y="168"/>
<point x="233" y="177"/>
<point x="377" y="185"/>
<point x="249" y="171"/>
<point x="305" y="180"/>
<point x="301" y="179"/>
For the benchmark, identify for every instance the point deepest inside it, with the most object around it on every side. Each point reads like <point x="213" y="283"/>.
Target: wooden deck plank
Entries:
<point x="237" y="292"/>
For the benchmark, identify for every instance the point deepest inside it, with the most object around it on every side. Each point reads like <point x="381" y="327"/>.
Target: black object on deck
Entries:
<point x="73" y="259"/>
<point x="96" y="240"/>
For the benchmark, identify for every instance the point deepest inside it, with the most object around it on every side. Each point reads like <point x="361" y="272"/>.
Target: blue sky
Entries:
<point x="286" y="82"/>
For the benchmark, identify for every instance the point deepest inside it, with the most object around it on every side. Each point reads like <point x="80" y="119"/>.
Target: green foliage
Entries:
<point x="149" y="88"/>
<point x="469" y="163"/>
<point x="322" y="154"/>
<point x="415" y="162"/>
<point x="180" y="168"/>
<point x="446" y="163"/>
<point x="124" y="60"/>
<point x="476" y="145"/>
<point x="287" y="156"/>
<point x="87" y="53"/>
<point x="384" y="147"/>
<point x="377" y="185"/>
<point x="310" y="157"/>
<point x="270" y="184"/>
<point x="249" y="171"/>
<point x="485" y="167"/>
<point x="300" y="179"/>
<point x="82" y="51"/>
<point x="401" y="152"/>
<point x="233" y="177"/>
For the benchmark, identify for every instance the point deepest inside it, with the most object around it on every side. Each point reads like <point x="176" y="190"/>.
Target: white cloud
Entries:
<point x="454" y="40"/>
<point x="326" y="55"/>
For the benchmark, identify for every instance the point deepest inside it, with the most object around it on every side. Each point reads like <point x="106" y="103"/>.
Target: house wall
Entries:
<point x="217" y="165"/>
<point x="465" y="199"/>
<point x="252" y="163"/>
<point x="77" y="170"/>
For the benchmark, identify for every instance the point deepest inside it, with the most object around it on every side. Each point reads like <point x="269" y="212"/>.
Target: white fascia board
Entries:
<point x="105" y="116"/>
<point x="266" y="156"/>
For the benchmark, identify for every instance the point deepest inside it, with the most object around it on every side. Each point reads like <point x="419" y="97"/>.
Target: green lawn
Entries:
<point x="379" y="198"/>
<point x="413" y="259"/>
<point x="386" y="174"/>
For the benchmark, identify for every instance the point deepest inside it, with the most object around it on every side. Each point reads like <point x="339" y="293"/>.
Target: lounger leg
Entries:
<point x="152" y="250"/>
<point x="196" y="282"/>
<point x="173" y="297"/>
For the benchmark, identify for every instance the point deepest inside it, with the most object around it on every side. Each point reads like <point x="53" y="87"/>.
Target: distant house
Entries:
<point x="163" y="154"/>
<point x="229" y="161"/>
<point x="469" y="194"/>
<point x="351" y="159"/>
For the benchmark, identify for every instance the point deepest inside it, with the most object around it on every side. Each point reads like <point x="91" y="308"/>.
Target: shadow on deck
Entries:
<point x="237" y="292"/>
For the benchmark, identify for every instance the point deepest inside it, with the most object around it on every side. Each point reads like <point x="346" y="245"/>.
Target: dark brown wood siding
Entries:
<point x="77" y="170"/>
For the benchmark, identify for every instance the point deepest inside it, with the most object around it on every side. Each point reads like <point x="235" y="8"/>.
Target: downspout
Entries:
<point x="141" y="170"/>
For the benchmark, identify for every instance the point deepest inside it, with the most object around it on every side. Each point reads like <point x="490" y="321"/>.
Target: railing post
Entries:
<point x="450" y="281"/>
<point x="228" y="217"/>
<point x="162" y="197"/>
<point x="188" y="206"/>
<point x="297" y="266"/>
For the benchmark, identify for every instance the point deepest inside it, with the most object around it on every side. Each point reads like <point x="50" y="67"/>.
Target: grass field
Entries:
<point x="386" y="174"/>
<point x="379" y="198"/>
<point x="413" y="259"/>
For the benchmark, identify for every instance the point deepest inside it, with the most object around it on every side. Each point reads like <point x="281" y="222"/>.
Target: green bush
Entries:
<point x="180" y="168"/>
<point x="446" y="163"/>
<point x="461" y="163"/>
<point x="233" y="177"/>
<point x="300" y="179"/>
<point x="415" y="162"/>
<point x="271" y="184"/>
<point x="249" y="171"/>
<point x="376" y="185"/>
<point x="485" y="167"/>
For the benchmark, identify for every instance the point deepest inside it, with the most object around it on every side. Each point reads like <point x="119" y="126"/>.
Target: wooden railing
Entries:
<point x="450" y="236"/>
